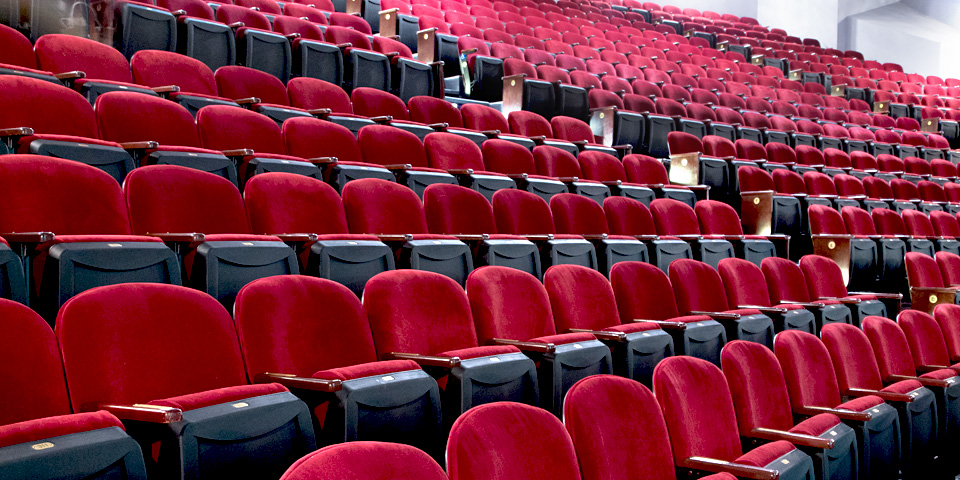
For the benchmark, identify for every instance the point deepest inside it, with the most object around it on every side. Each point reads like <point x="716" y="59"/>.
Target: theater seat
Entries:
<point x="746" y="287"/>
<point x="365" y="461"/>
<point x="825" y="282"/>
<point x="194" y="79"/>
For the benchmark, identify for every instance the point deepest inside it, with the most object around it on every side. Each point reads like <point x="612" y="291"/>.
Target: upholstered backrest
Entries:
<point x="717" y="218"/>
<point x="522" y="213"/>
<point x="926" y="340"/>
<point x="308" y="137"/>
<point x="453" y="210"/>
<point x="245" y="82"/>
<point x="922" y="271"/>
<point x="757" y="385"/>
<point x="807" y="369"/>
<point x="744" y="283"/>
<point x="825" y="220"/>
<point x="785" y="280"/>
<point x="366" y="461"/>
<point x="852" y="355"/>
<point x="379" y="206"/>
<point x="697" y="287"/>
<point x="59" y="53"/>
<point x="289" y="203"/>
<point x="45" y="107"/>
<point x="222" y="127"/>
<point x="158" y="68"/>
<point x="823" y="275"/>
<point x="386" y="145"/>
<point x="509" y="303"/>
<point x="673" y="217"/>
<point x="134" y="117"/>
<point x="447" y="151"/>
<point x="890" y="346"/>
<point x="576" y="214"/>
<point x="580" y="297"/>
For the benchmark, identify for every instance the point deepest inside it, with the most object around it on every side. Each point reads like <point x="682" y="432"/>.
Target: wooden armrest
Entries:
<point x="235" y="25"/>
<point x="394" y="238"/>
<point x="891" y="296"/>
<point x="805" y="304"/>
<point x="930" y="368"/>
<point x="292" y="36"/>
<point x="398" y="167"/>
<point x="579" y="143"/>
<point x="654" y="186"/>
<point x="698" y="187"/>
<point x="320" y="112"/>
<point x="534" y="347"/>
<point x="646" y="238"/>
<point x="569" y="179"/>
<point x="612" y="183"/>
<point x="382" y="120"/>
<point x="886" y="396"/>
<point x="601" y="335"/>
<point x="344" y="46"/>
<point x="16" y="132"/>
<point x="439" y="127"/>
<point x="144" y="413"/>
<point x="471" y="238"/>
<point x="28" y="237"/>
<point x="776" y="310"/>
<point x="717" y="315"/>
<point x="178" y="237"/>
<point x="296" y="237"/>
<point x="139" y="145"/>
<point x="927" y="382"/>
<point x="240" y="152"/>
<point x="719" y="466"/>
<point x="594" y="236"/>
<point x="74" y="75"/>
<point x="845" y="301"/>
<point x="460" y="171"/>
<point x="166" y="89"/>
<point x="427" y="360"/>
<point x="841" y="414"/>
<point x="623" y="148"/>
<point x="323" y="160"/>
<point x="491" y="133"/>
<point x="539" y="238"/>
<point x="538" y="139"/>
<point x="664" y="324"/>
<point x="294" y="382"/>
<point x="798" y="439"/>
<point x="688" y="237"/>
<point x="178" y="13"/>
<point x="247" y="101"/>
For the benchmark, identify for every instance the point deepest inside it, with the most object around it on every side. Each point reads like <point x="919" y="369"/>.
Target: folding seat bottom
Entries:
<point x="782" y="457"/>
<point x="510" y="251"/>
<point x="918" y="425"/>
<point x="437" y="253"/>
<point x="197" y="158"/>
<point x="868" y="306"/>
<point x="619" y="248"/>
<point x="568" y="250"/>
<point x="643" y="347"/>
<point x="948" y="407"/>
<point x="752" y="326"/>
<point x="840" y="462"/>
<point x="666" y="250"/>
<point x="266" y="163"/>
<point x="576" y="356"/>
<point x="796" y="318"/>
<point x="342" y="172"/>
<point x="12" y="282"/>
<point x="106" y="156"/>
<point x="227" y="262"/>
<point x="350" y="260"/>
<point x="878" y="439"/>
<point x="700" y="337"/>
<point x="711" y="251"/>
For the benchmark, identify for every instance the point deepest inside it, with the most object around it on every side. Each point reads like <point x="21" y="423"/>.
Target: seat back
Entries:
<point x="425" y="109"/>
<point x="133" y="117"/>
<point x="244" y="82"/>
<point x="60" y="53"/>
<point x="366" y="461"/>
<point x="673" y="217"/>
<point x="852" y="356"/>
<point x="948" y="317"/>
<point x="825" y="220"/>
<point x="45" y="107"/>
<point x="785" y="281"/>
<point x="522" y="213"/>
<point x="888" y="222"/>
<point x="158" y="68"/>
<point x="386" y="145"/>
<point x="890" y="347"/>
<point x="580" y="297"/>
<point x="371" y="102"/>
<point x="378" y="206"/>
<point x="925" y="338"/>
<point x="448" y="151"/>
<point x="697" y="287"/>
<point x="743" y="282"/>
<point x="644" y="169"/>
<point x="626" y="216"/>
<point x="858" y="221"/>
<point x="456" y="210"/>
<point x="717" y="218"/>
<point x="922" y="271"/>
<point x="311" y="93"/>
<point x="823" y="275"/>
<point x="308" y="137"/>
<point x="482" y="117"/>
<point x="757" y="385"/>
<point x="223" y="127"/>
<point x="601" y="166"/>
<point x="509" y="303"/>
<point x="278" y="203"/>
<point x="503" y="156"/>
<point x="807" y="369"/>
<point x="576" y="214"/>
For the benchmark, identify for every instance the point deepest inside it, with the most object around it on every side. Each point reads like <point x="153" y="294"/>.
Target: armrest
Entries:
<point x="601" y="335"/>
<point x="491" y="133"/>
<point x="179" y="237"/>
<point x="28" y="237"/>
<point x="16" y="132"/>
<point x="240" y="152"/>
<point x="886" y="396"/>
<point x="538" y="139"/>
<point x="243" y="102"/>
<point x="144" y="413"/>
<point x="665" y="325"/>
<point x="460" y="171"/>
<point x="292" y="36"/>
<point x="439" y="127"/>
<point x="688" y="237"/>
<point x="719" y="466"/>
<point x="717" y="315"/>
<point x="382" y="120"/>
<point x="70" y="76"/>
<point x="166" y="89"/>
<point x="294" y="382"/>
<point x="891" y="296"/>
<point x="698" y="187"/>
<point x="845" y="301"/>
<point x="323" y="160"/>
<point x="394" y="238"/>
<point x="428" y="360"/>
<point x="798" y="439"/>
<point x="471" y="238"/>
<point x="398" y="167"/>
<point x="139" y="145"/>
<point x="626" y="149"/>
<point x="805" y="304"/>
<point x="775" y="310"/>
<point x="533" y="347"/>
<point x="926" y="382"/>
<point x="235" y="25"/>
<point x="932" y="368"/>
<point x="296" y="237"/>
<point x="841" y="414"/>
<point x="321" y="113"/>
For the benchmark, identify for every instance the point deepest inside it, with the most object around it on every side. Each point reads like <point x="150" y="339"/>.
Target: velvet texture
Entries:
<point x="308" y="137"/>
<point x="808" y="369"/>
<point x="387" y="45"/>
<point x="507" y="157"/>
<point x="750" y="150"/>
<point x="643" y="291"/>
<point x="717" y="218"/>
<point x="386" y="145"/>
<point x="601" y="166"/>
<point x="371" y="102"/>
<point x="288" y="203"/>
<point x="555" y="162"/>
<point x="852" y="355"/>
<point x="78" y="199"/>
<point x="447" y="151"/>
<point x="617" y="430"/>
<point x="780" y="153"/>
<point x="890" y="347"/>
<point x="250" y="19"/>
<point x="580" y="297"/>
<point x="825" y="220"/>
<point x="379" y="206"/>
<point x="858" y="221"/>
<point x="788" y="182"/>
<point x="949" y="264"/>
<point x="681" y="142"/>
<point x="429" y="110"/>
<point x="522" y="213"/>
<point x="785" y="281"/>
<point x="64" y="53"/>
<point x="877" y="187"/>
<point x="157" y="68"/>
<point x="863" y="160"/>
<point x="363" y="370"/>
<point x="529" y="124"/>
<point x="299" y="325"/>
<point x="366" y="461"/>
<point x="918" y="224"/>
<point x="135" y="117"/>
<point x="222" y="127"/>
<point x="697" y="287"/>
<point x="116" y="344"/>
<point x="29" y="102"/>
<point x="452" y="210"/>
<point x="888" y="222"/>
<point x="933" y="192"/>
<point x="766" y="454"/>
<point x="576" y="214"/>
<point x="482" y="117"/>
<point x="310" y="93"/>
<point x="645" y="169"/>
<point x="572" y="129"/>
<point x="245" y="82"/>
<point x="904" y="189"/>
<point x="925" y="338"/>
<point x="922" y="271"/>
<point x="307" y="29"/>
<point x="848" y="185"/>
<point x="698" y="409"/>
<point x="337" y="35"/>
<point x="169" y="198"/>
<point x="743" y="282"/>
<point x="193" y="401"/>
<point x="510" y="441"/>
<point x="33" y="372"/>
<point x="819" y="184"/>
<point x="418" y="312"/>
<point x="823" y="276"/>
<point x="55" y="426"/>
<point x="673" y="217"/>
<point x="18" y="49"/>
<point x="509" y="303"/>
<point x="945" y="224"/>
<point x="626" y="216"/>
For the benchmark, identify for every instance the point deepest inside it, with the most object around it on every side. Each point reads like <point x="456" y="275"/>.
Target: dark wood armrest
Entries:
<point x="344" y="46"/>
<point x="398" y="167"/>
<point x="654" y="186"/>
<point x="320" y="112"/>
<point x="427" y="360"/>
<point x="719" y="466"/>
<point x="16" y="132"/>
<point x="144" y="413"/>
<point x="646" y="238"/>
<point x="294" y="382"/>
<point x="626" y="149"/>
<point x="926" y="382"/>
<point x="240" y="152"/>
<point x="930" y="368"/>
<point x="891" y="296"/>
<point x="845" y="301"/>
<point x="166" y="89"/>
<point x="178" y="237"/>
<point x="534" y="347"/>
<point x="394" y="238"/>
<point x="569" y="179"/>
<point x="539" y="238"/>
<point x="688" y="237"/>
<point x="460" y="171"/>
<point x="665" y="324"/>
<point x="178" y="13"/>
<point x="439" y="127"/>
<point x="139" y="145"/>
<point x="74" y="75"/>
<point x="775" y="310"/>
<point x="594" y="236"/>
<point x="581" y="144"/>
<point x="798" y="439"/>
<point x="292" y="36"/>
<point x="323" y="160"/>
<point x="601" y="335"/>
<point x="471" y="238"/>
<point x="491" y="133"/>
<point x="382" y="120"/>
<point x="247" y="101"/>
<point x="296" y="237"/>
<point x="841" y="414"/>
<point x="805" y="304"/>
<point x="538" y="139"/>
<point x="698" y="187"/>
<point x="886" y="396"/>
<point x="612" y="183"/>
<point x="717" y="315"/>
<point x="28" y="237"/>
<point x="468" y="51"/>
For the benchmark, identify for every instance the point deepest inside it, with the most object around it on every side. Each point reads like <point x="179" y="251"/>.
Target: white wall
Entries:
<point x="805" y="19"/>
<point x="743" y="8"/>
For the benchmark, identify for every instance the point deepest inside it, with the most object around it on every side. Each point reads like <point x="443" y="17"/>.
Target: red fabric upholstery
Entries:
<point x="311" y="93"/>
<point x="41" y="429"/>
<point x="45" y="107"/>
<point x="218" y="396"/>
<point x="925" y="338"/>
<point x="509" y="303"/>
<point x="945" y="224"/>
<point x="494" y="441"/>
<point x="780" y="153"/>
<point x="617" y="429"/>
<point x="576" y="214"/>
<point x="371" y="102"/>
<point x="116" y="344"/>
<point x="507" y="157"/>
<point x="555" y="162"/>
<point x="307" y="137"/>
<point x="681" y="142"/>
<point x="299" y="325"/>
<point x="890" y="346"/>
<point x="382" y="207"/>
<point x="766" y="454"/>
<point x="626" y="216"/>
<point x="817" y="424"/>
<point x="366" y="461"/>
<point x="448" y="151"/>
<point x="757" y="385"/>
<point x="744" y="283"/>
<point x="717" y="218"/>
<point x="918" y="224"/>
<point x="529" y="124"/>
<point x="788" y="182"/>
<point x="522" y="213"/>
<point x="697" y="286"/>
<point x="135" y="117"/>
<point x="825" y="220"/>
<point x="673" y="217"/>
<point x="168" y="198"/>
<point x="948" y="316"/>
<point x="386" y="145"/>
<point x="861" y="404"/>
<point x="922" y="271"/>
<point x="243" y="82"/>
<point x="223" y="127"/>
<point x="452" y="210"/>
<point x="18" y="49"/>
<point x="158" y="68"/>
<point x="425" y="109"/>
<point x="819" y="184"/>
<point x="482" y="117"/>
<point x="644" y="292"/>
<point x="288" y="203"/>
<point x="367" y="370"/>
<point x="78" y="199"/>
<point x="59" y="53"/>
<point x="852" y="356"/>
<point x="644" y="169"/>
<point x="949" y="264"/>
<point x="823" y="277"/>
<point x="698" y="409"/>
<point x="418" y="312"/>
<point x="753" y="179"/>
<point x="807" y="369"/>
<point x="601" y="166"/>
<point x="580" y="297"/>
<point x="477" y="352"/>
<point x="858" y="221"/>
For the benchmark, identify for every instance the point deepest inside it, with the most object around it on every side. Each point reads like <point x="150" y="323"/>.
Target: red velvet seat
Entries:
<point x="462" y="157"/>
<point x="386" y="145"/>
<point x="116" y="345"/>
<point x="675" y="218"/>
<point x="577" y="215"/>
<point x="745" y="285"/>
<point x="889" y="222"/>
<point x="366" y="461"/>
<point x="719" y="219"/>
<point x="245" y="83"/>
<point x="390" y="109"/>
<point x="198" y="86"/>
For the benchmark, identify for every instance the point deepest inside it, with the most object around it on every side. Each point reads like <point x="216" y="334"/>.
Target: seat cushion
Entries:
<point x="765" y="454"/>
<point x="217" y="396"/>
<point x="367" y="370"/>
<point x="633" y="327"/>
<point x="240" y="237"/>
<point x="942" y="374"/>
<point x="477" y="352"/>
<point x="861" y="404"/>
<point x="817" y="424"/>
<point x="565" y="338"/>
<point x="49" y="427"/>
<point x="905" y="386"/>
